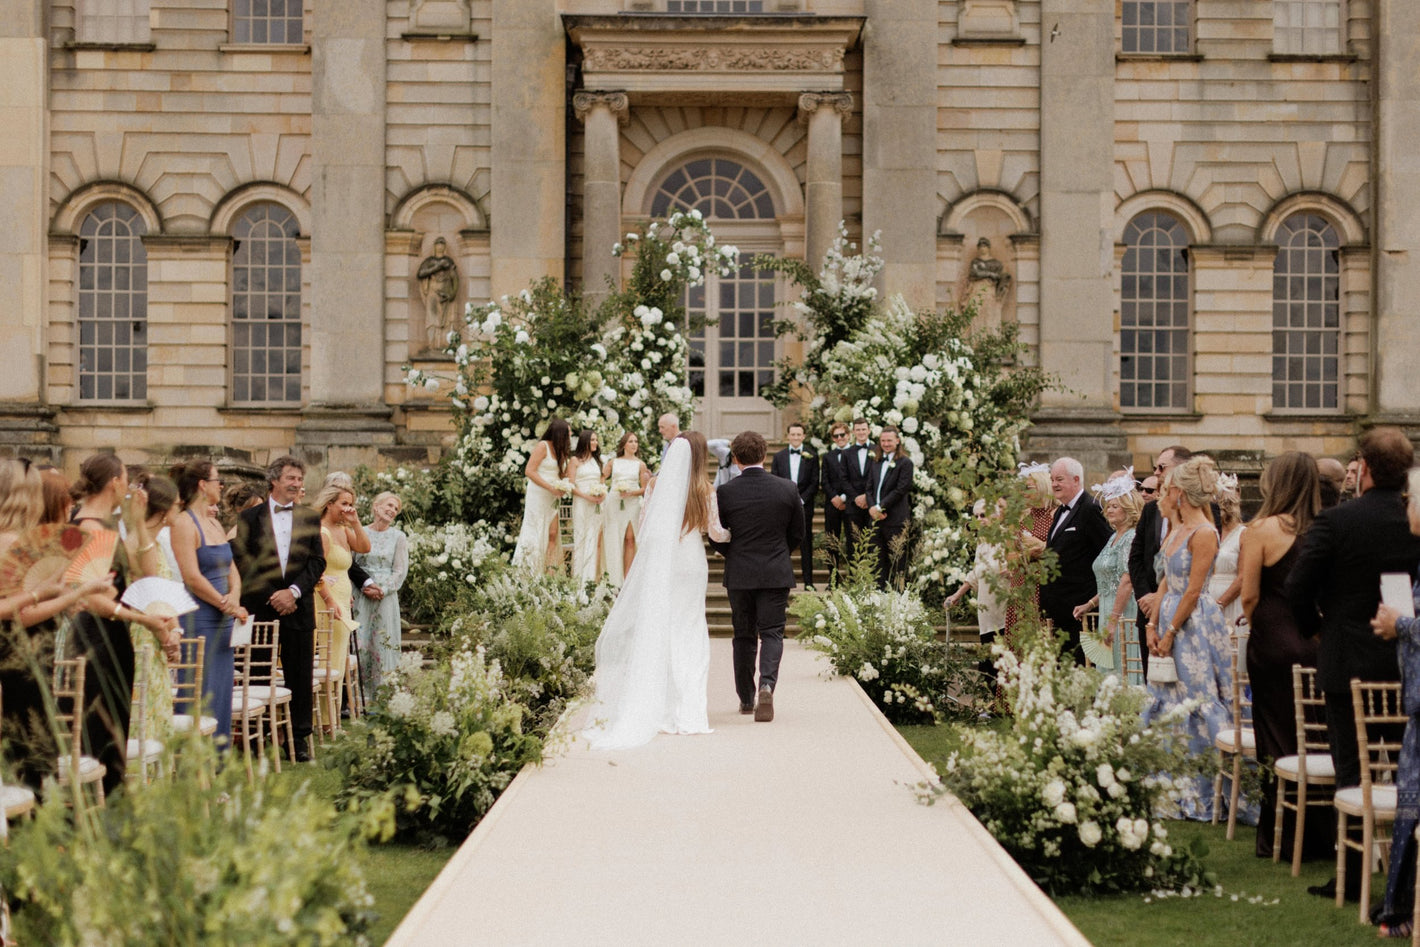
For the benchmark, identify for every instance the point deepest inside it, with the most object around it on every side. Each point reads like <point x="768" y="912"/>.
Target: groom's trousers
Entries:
<point x="758" y="617"/>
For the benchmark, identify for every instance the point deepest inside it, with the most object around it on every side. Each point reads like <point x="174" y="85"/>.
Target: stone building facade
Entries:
<point x="1204" y="214"/>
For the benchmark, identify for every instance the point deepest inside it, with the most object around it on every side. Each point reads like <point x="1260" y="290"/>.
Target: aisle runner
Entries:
<point x="800" y="831"/>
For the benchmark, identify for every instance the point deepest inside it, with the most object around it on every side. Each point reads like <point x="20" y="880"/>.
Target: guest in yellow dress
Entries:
<point x="341" y="535"/>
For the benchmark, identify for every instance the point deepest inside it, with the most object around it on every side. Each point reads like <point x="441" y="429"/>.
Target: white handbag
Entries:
<point x="1162" y="670"/>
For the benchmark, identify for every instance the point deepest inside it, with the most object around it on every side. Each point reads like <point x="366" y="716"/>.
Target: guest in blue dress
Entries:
<point x="205" y="561"/>
<point x="1398" y="909"/>
<point x="1114" y="598"/>
<point x="1190" y="627"/>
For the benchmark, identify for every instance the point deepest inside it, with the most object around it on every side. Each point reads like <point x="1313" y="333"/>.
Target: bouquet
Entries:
<point x="596" y="490"/>
<point x="562" y="486"/>
<point x="622" y="485"/>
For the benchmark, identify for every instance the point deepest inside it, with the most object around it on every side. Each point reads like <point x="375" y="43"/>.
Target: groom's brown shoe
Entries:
<point x="764" y="710"/>
<point x="746" y="708"/>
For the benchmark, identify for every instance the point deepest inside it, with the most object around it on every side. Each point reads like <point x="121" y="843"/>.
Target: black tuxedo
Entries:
<point x="855" y="484"/>
<point x="765" y="517"/>
<point x="1077" y="535"/>
<point x="1143" y="549"/>
<point x="834" y="519"/>
<point x="259" y="563"/>
<point x="808" y="491"/>
<point x="889" y="488"/>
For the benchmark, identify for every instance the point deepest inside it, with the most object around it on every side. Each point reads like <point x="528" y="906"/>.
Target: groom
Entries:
<point x="765" y="519"/>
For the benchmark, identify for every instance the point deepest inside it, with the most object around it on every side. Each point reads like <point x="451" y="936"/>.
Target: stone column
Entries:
<point x="900" y="143"/>
<point x="346" y="406"/>
<point x="528" y="202"/>
<point x="823" y="112"/>
<point x="25" y="424"/>
<point x="602" y="115"/>
<point x="1396" y="39"/>
<point x="1076" y="242"/>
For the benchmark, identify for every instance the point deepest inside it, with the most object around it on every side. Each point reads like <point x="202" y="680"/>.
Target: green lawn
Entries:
<point x="1138" y="920"/>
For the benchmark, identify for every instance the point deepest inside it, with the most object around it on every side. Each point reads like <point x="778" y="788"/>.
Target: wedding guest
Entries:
<point x="377" y="610"/>
<point x="1224" y="586"/>
<point x="209" y="571"/>
<point x="1333" y="475"/>
<point x="799" y="464"/>
<point x="1398" y="909"/>
<point x="985" y="572"/>
<point x="546" y="472"/>
<point x="1269" y="549"/>
<point x="342" y="535"/>
<point x="1039" y="515"/>
<point x="588" y="495"/>
<point x="162" y="511"/>
<point x="237" y="499"/>
<point x="627" y="475"/>
<point x="1149" y="488"/>
<point x="359" y="578"/>
<point x="1078" y="532"/>
<point x="856" y="458"/>
<point x="1149" y="535"/>
<point x="280" y="558"/>
<point x="1351" y="483"/>
<point x="1189" y="626"/>
<point x="1334" y="590"/>
<point x="835" y="504"/>
<point x="1114" y="596"/>
<point x="890" y="507"/>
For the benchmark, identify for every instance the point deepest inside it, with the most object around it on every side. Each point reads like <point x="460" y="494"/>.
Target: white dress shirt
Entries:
<point x="282" y="518"/>
<point x="887" y="462"/>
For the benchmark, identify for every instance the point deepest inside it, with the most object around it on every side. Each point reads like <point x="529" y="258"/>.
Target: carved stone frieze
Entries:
<point x="716" y="59"/>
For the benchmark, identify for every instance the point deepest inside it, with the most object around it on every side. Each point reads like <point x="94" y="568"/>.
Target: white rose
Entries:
<point x="431" y="384"/>
<point x="1065" y="813"/>
<point x="665" y="276"/>
<point x="1090" y="833"/>
<point x="480" y="403"/>
<point x="1053" y="793"/>
<point x="673" y="258"/>
<point x="522" y="338"/>
<point x="909" y="425"/>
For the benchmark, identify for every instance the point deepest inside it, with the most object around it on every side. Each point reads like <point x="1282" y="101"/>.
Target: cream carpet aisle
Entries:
<point x="800" y="831"/>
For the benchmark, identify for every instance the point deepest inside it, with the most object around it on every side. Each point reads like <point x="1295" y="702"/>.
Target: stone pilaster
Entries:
<point x="347" y="233"/>
<point x="528" y="201"/>
<point x="602" y="114"/>
<point x="1397" y="215"/>
<point x="823" y="112"/>
<point x="1076" y="220"/>
<point x="900" y="143"/>
<point x="24" y="170"/>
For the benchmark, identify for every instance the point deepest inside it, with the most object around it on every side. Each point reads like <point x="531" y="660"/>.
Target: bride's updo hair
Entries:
<point x="1197" y="477"/>
<point x="697" y="496"/>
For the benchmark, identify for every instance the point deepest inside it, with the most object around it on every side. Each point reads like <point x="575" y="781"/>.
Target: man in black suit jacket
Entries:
<point x="835" y="499"/>
<point x="890" y="504"/>
<point x="1334" y="591"/>
<point x="1148" y="537"/>
<point x="799" y="465"/>
<point x="279" y="555"/>
<point x="857" y="457"/>
<point x="765" y="518"/>
<point x="1077" y="534"/>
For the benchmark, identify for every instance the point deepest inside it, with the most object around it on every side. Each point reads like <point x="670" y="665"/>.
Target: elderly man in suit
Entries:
<point x="1334" y="591"/>
<point x="279" y="555"/>
<point x="799" y="464"/>
<point x="890" y="505"/>
<point x="1077" y="534"/>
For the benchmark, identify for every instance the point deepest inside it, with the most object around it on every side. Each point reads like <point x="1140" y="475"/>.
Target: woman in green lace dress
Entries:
<point x="1115" y="597"/>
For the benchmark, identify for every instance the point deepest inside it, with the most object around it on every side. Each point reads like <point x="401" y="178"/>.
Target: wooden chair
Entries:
<point x="328" y="675"/>
<point x="263" y="686"/>
<point x="187" y="689"/>
<point x="1310" y="767"/>
<point x="144" y="752"/>
<point x="247" y="711"/>
<point x="15" y="801"/>
<point x="1236" y="742"/>
<point x="74" y="767"/>
<point x="1380" y="724"/>
<point x="1129" y="635"/>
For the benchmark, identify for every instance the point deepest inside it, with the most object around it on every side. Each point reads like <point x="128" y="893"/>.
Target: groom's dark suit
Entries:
<point x="259" y="563"/>
<point x="765" y="518"/>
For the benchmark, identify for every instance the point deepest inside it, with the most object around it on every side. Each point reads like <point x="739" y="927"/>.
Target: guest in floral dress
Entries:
<point x="1190" y="627"/>
<point x="377" y="608"/>
<point x="1115" y="598"/>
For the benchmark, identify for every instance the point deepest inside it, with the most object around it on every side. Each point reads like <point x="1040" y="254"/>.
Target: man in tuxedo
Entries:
<point x="890" y="505"/>
<point x="835" y="504"/>
<point x="279" y="555"/>
<point x="1148" y="537"/>
<point x="1334" y="591"/>
<point x="799" y="465"/>
<point x="857" y="456"/>
<point x="1077" y="534"/>
<point x="765" y="517"/>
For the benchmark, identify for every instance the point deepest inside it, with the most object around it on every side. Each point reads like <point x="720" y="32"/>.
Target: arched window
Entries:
<point x="1306" y="315"/>
<point x="717" y="187"/>
<point x="1154" y="315"/>
<point x="266" y="307"/>
<point x="113" y="305"/>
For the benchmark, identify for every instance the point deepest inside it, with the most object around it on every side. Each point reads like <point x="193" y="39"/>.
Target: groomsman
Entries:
<point x="856" y="458"/>
<point x="835" y="503"/>
<point x="799" y="464"/>
<point x="890" y="504"/>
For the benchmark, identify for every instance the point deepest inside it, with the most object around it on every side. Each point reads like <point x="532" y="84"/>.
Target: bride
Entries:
<point x="653" y="656"/>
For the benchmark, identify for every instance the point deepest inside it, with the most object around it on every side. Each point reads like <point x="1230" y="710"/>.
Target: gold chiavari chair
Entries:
<point x="1380" y="723"/>
<point x="74" y="767"/>
<point x="1310" y="768"/>
<point x="1235" y="743"/>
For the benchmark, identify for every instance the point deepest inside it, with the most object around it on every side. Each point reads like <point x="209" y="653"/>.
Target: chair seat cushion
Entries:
<point x="1227" y="740"/>
<point x="251" y="707"/>
<point x="88" y="767"/>
<point x="320" y="675"/>
<point x="183" y="723"/>
<point x="150" y="749"/>
<point x="16" y="800"/>
<point x="1320" y="769"/>
<point x="263" y="693"/>
<point x="1348" y="800"/>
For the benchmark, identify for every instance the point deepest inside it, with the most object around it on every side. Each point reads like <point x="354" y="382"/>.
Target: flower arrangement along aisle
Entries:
<point x="542" y="354"/>
<point x="957" y="396"/>
<point x="1068" y="790"/>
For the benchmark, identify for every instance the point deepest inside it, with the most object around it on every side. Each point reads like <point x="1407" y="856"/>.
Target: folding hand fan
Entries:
<point x="157" y="596"/>
<point x="1100" y="654"/>
<point x="96" y="558"/>
<point x="38" y="556"/>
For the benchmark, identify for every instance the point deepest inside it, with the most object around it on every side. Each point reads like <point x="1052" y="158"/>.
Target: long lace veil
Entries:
<point x="633" y="651"/>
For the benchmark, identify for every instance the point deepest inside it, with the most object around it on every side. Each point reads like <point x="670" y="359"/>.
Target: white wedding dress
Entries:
<point x="653" y="655"/>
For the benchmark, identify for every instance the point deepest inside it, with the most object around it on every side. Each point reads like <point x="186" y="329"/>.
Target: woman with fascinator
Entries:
<point x="1122" y="503"/>
<point x="1226" y="586"/>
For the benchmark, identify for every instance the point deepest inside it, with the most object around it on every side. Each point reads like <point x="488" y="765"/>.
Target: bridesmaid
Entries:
<point x="627" y="476"/>
<point x="377" y="609"/>
<point x="585" y="474"/>
<point x="547" y="465"/>
<point x="205" y="563"/>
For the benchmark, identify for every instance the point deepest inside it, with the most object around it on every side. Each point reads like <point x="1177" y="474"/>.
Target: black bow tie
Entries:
<point x="285" y="509"/>
<point x="862" y="447"/>
<point x="796" y="450"/>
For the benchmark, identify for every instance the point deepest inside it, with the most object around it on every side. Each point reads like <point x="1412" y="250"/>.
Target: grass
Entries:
<point x="1142" y="921"/>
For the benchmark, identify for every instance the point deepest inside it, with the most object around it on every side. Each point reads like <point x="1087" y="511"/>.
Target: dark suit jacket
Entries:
<point x="1143" y="550"/>
<point x="833" y="475"/>
<point x="766" y="520"/>
<point x="856" y="483"/>
<point x="1334" y="588"/>
<point x="895" y="496"/>
<point x="259" y="564"/>
<point x="1077" y="540"/>
<point x="808" y="473"/>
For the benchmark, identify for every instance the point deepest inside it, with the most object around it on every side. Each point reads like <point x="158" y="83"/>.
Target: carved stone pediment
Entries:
<point x="712" y="55"/>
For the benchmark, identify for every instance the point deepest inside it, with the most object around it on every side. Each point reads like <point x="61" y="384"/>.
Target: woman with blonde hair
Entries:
<point x="1115" y="596"/>
<point x="377" y="610"/>
<point x="342" y="536"/>
<point x="1040" y="512"/>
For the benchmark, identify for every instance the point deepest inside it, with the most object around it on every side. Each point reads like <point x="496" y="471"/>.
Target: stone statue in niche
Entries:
<point x="439" y="288"/>
<point x="987" y="285"/>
